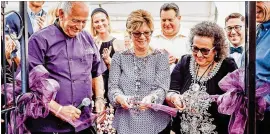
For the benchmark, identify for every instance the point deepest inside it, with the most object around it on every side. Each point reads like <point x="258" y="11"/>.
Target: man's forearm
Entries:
<point x="98" y="89"/>
<point x="54" y="106"/>
<point x="98" y="86"/>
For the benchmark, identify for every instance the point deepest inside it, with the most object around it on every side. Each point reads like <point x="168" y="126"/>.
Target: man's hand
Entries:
<point x="41" y="21"/>
<point x="70" y="112"/>
<point x="172" y="59"/>
<point x="100" y="105"/>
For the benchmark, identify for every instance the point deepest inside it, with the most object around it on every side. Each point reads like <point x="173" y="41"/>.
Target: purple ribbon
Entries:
<point x="159" y="107"/>
<point x="234" y="101"/>
<point x="43" y="90"/>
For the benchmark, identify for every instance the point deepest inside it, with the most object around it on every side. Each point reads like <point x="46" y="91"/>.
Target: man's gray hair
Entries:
<point x="169" y="6"/>
<point x="67" y="5"/>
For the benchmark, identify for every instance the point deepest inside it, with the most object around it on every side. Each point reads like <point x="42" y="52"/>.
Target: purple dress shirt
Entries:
<point x="72" y="62"/>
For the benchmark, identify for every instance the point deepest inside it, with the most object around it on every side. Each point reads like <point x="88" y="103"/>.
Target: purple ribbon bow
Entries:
<point x="43" y="90"/>
<point x="234" y="101"/>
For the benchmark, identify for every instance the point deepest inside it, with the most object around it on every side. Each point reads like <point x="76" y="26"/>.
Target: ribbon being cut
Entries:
<point x="159" y="107"/>
<point x="35" y="103"/>
<point x="234" y="101"/>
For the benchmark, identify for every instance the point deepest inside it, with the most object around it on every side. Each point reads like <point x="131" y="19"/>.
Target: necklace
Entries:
<point x="139" y="67"/>
<point x="145" y="54"/>
<point x="196" y="85"/>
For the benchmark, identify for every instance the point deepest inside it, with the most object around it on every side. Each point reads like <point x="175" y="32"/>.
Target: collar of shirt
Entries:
<point x="242" y="45"/>
<point x="160" y="34"/>
<point x="262" y="30"/>
<point x="56" y="23"/>
<point x="32" y="14"/>
<point x="266" y="25"/>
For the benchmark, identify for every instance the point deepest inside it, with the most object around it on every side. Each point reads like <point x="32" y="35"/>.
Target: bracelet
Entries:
<point x="58" y="111"/>
<point x="101" y="98"/>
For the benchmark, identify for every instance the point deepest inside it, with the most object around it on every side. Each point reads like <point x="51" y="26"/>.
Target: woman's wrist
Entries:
<point x="173" y="97"/>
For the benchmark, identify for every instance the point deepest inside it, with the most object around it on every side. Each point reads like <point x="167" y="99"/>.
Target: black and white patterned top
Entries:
<point x="154" y="74"/>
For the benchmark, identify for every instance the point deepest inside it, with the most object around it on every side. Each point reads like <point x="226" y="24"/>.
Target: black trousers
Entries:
<point x="90" y="130"/>
<point x="167" y="130"/>
<point x="263" y="127"/>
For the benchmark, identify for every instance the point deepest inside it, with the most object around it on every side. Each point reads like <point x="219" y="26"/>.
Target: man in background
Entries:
<point x="35" y="19"/>
<point x="170" y="38"/>
<point x="235" y="31"/>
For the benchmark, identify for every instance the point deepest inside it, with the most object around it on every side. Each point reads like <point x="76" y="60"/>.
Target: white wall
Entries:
<point x="226" y="8"/>
<point x="191" y="12"/>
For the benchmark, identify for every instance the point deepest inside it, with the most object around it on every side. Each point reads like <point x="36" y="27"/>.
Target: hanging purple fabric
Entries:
<point x="234" y="101"/>
<point x="34" y="103"/>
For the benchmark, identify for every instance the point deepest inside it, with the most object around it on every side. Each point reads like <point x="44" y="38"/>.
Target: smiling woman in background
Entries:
<point x="196" y="77"/>
<point x="107" y="44"/>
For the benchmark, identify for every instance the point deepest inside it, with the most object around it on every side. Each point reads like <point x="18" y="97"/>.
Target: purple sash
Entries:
<point x="234" y="101"/>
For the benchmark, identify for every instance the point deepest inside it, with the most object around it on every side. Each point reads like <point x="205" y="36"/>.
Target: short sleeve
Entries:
<point x="98" y="66"/>
<point x="36" y="51"/>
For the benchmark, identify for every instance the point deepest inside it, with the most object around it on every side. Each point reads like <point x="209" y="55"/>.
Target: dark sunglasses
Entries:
<point x="139" y="34"/>
<point x="204" y="51"/>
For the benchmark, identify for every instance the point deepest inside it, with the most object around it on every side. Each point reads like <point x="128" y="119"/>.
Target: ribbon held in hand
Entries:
<point x="159" y="107"/>
<point x="78" y="123"/>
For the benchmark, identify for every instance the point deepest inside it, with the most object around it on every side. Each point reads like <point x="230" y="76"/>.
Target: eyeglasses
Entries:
<point x="76" y="21"/>
<point x="204" y="51"/>
<point x="236" y="28"/>
<point x="139" y="34"/>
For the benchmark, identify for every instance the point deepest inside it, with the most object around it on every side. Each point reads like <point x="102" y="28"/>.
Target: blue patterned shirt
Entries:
<point x="263" y="52"/>
<point x="263" y="55"/>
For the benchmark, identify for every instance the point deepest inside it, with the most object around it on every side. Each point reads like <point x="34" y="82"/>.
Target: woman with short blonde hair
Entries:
<point x="139" y="76"/>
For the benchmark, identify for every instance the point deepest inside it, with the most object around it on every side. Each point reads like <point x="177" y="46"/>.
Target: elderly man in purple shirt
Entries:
<point x="72" y="58"/>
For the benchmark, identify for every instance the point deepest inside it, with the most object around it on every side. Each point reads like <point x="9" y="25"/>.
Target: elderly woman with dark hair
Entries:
<point x="196" y="77"/>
